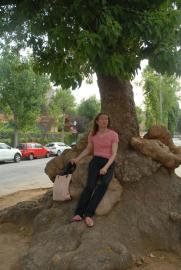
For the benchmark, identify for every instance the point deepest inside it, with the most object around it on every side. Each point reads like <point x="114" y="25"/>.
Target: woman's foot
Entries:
<point x="89" y="221"/>
<point x="76" y="218"/>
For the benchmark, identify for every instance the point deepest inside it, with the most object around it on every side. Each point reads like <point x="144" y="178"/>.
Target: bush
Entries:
<point x="42" y="138"/>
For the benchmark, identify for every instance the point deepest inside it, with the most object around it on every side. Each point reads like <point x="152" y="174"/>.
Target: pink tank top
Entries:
<point x="102" y="143"/>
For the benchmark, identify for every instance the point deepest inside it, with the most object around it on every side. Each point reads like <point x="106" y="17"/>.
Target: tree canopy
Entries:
<point x="73" y="39"/>
<point x="63" y="102"/>
<point x="22" y="92"/>
<point x="88" y="108"/>
<point x="161" y="99"/>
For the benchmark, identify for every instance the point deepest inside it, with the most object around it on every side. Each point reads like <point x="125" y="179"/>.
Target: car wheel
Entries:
<point x="31" y="157"/>
<point x="58" y="153"/>
<point x="17" y="157"/>
<point x="47" y="155"/>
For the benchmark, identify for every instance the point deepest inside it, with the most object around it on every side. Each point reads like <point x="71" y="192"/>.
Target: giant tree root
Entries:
<point x="139" y="223"/>
<point x="140" y="213"/>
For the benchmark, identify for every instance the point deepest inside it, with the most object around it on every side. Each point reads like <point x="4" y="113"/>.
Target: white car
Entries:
<point x="177" y="141"/>
<point x="56" y="148"/>
<point x="8" y="153"/>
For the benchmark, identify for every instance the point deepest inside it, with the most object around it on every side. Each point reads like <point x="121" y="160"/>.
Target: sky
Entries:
<point x="87" y="90"/>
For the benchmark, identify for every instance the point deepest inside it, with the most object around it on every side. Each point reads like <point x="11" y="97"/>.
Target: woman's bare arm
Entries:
<point x="111" y="159"/>
<point x="84" y="153"/>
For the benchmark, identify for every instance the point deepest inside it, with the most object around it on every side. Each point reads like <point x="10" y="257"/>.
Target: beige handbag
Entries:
<point x="61" y="188"/>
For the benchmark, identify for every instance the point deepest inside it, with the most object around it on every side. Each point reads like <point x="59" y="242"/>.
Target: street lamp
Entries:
<point x="75" y="129"/>
<point x="63" y="124"/>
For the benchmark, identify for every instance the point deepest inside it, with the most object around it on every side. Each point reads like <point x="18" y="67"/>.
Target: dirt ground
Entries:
<point x="19" y="196"/>
<point x="159" y="260"/>
<point x="14" y="240"/>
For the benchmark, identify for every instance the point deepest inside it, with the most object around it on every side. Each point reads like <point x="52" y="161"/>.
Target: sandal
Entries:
<point x="89" y="221"/>
<point x="76" y="218"/>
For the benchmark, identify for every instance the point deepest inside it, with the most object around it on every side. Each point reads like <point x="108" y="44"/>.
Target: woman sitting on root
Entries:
<point x="103" y="142"/>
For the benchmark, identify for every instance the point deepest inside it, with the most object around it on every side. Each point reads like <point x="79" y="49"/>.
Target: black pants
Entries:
<point x="95" y="188"/>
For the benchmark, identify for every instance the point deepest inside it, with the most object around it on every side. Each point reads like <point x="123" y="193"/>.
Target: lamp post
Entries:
<point x="63" y="124"/>
<point x="75" y="129"/>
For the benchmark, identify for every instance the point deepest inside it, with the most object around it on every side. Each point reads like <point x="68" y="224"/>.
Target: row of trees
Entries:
<point x="25" y="95"/>
<point x="22" y="91"/>
<point x="161" y="101"/>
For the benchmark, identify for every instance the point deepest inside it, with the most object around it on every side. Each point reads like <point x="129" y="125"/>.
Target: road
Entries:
<point x="28" y="175"/>
<point x="23" y="175"/>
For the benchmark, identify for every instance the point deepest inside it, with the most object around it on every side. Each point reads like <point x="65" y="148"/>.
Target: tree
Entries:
<point x="178" y="128"/>
<point x="88" y="108"/>
<point x="140" y="115"/>
<point x="73" y="39"/>
<point x="161" y="99"/>
<point x="21" y="91"/>
<point x="62" y="103"/>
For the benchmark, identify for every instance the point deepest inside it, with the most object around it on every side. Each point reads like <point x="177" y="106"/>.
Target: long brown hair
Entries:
<point x="95" y="125"/>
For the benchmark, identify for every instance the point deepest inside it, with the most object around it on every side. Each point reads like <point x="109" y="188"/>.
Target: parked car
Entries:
<point x="9" y="153"/>
<point x="33" y="150"/>
<point x="57" y="148"/>
<point x="73" y="144"/>
<point x="177" y="141"/>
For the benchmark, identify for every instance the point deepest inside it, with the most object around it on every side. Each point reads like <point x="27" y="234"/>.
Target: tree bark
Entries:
<point x="63" y="127"/>
<point x="15" y="131"/>
<point x="117" y="100"/>
<point x="15" y="137"/>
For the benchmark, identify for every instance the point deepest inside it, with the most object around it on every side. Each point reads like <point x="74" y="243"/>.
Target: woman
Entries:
<point x="103" y="142"/>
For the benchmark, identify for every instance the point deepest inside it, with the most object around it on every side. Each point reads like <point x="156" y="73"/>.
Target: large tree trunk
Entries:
<point x="117" y="100"/>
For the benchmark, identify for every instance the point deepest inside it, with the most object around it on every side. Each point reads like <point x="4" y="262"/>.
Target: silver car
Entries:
<point x="56" y="148"/>
<point x="8" y="153"/>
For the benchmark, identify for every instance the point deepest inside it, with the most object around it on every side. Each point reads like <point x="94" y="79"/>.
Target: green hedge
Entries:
<point x="6" y="137"/>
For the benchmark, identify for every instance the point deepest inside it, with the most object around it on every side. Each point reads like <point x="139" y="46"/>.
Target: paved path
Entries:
<point x="24" y="175"/>
<point x="28" y="175"/>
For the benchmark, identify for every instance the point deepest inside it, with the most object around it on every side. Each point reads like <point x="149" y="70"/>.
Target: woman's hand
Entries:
<point x="84" y="153"/>
<point x="73" y="161"/>
<point x="103" y="171"/>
